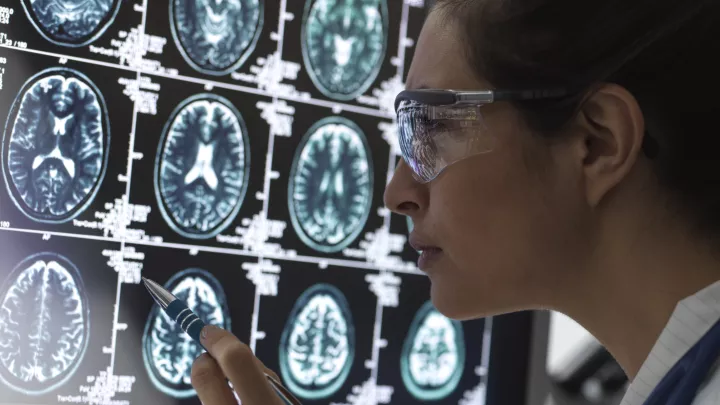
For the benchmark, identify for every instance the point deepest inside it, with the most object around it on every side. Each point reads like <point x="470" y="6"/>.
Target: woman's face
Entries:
<point x="508" y="222"/>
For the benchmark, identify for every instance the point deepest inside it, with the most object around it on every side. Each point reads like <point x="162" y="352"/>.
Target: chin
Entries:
<point x="452" y="305"/>
<point x="464" y="302"/>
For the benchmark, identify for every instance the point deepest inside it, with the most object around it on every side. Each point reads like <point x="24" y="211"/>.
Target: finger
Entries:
<point x="210" y="383"/>
<point x="267" y="370"/>
<point x="237" y="362"/>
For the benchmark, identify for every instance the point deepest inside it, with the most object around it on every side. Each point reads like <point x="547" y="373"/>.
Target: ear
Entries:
<point x="612" y="128"/>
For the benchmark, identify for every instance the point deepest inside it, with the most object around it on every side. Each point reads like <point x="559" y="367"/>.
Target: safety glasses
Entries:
<point x="440" y="127"/>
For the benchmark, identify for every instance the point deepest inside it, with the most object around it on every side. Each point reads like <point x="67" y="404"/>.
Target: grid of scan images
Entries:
<point x="236" y="152"/>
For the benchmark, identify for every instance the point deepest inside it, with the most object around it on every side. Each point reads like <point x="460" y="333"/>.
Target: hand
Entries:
<point x="230" y="359"/>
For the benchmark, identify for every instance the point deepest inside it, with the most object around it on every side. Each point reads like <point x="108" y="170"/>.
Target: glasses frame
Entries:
<point x="438" y="97"/>
<point x="447" y="97"/>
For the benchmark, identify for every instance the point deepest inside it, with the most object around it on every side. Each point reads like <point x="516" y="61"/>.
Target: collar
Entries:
<point x="691" y="319"/>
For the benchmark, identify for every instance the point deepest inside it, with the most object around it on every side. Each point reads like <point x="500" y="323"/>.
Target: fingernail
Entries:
<point x="208" y="331"/>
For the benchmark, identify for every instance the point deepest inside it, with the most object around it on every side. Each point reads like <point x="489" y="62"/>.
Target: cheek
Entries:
<point x="497" y="229"/>
<point x="484" y="210"/>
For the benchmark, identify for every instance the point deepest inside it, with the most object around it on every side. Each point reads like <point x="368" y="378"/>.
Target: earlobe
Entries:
<point x="613" y="130"/>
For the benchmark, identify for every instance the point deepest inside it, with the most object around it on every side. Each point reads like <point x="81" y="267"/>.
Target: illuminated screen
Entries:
<point x="236" y="152"/>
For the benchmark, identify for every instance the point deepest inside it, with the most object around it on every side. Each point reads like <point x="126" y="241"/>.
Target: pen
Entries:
<point x="189" y="322"/>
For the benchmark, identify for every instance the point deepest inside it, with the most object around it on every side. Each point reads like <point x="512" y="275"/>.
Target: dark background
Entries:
<point x="158" y="23"/>
<point x="293" y="50"/>
<point x="284" y="154"/>
<point x="19" y="68"/>
<point x="295" y="278"/>
<point x="147" y="141"/>
<point x="100" y="281"/>
<point x="510" y="333"/>
<point x="414" y="292"/>
<point x="136" y="304"/>
<point x="21" y="28"/>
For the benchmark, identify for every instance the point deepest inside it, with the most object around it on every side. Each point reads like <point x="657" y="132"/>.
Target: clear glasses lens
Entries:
<point x="434" y="137"/>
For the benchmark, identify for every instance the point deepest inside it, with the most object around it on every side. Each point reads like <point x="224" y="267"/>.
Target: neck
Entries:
<point x="633" y="290"/>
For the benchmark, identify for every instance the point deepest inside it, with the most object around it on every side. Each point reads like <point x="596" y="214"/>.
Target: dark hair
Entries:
<point x="665" y="52"/>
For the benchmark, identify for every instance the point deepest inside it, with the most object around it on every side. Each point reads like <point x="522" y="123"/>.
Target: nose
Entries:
<point x="404" y="195"/>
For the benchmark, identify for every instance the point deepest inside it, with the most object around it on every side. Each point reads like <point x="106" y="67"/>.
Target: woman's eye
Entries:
<point x="438" y="127"/>
<point x="449" y="128"/>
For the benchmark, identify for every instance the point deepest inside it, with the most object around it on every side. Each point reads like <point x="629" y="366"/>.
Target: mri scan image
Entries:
<point x="44" y="324"/>
<point x="433" y="355"/>
<point x="168" y="352"/>
<point x="344" y="44"/>
<point x="317" y="346"/>
<point x="71" y="23"/>
<point x="202" y="166"/>
<point x="216" y="36"/>
<point x="331" y="185"/>
<point x="55" y="145"/>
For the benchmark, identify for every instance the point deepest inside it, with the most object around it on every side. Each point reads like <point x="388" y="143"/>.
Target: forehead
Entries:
<point x="440" y="57"/>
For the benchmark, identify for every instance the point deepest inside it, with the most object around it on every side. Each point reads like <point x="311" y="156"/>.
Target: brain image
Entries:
<point x="55" y="145"/>
<point x="331" y="185"/>
<point x="216" y="36"/>
<point x="317" y="346"/>
<point x="168" y="352"/>
<point x="344" y="43"/>
<point x="202" y="166"/>
<point x="44" y="324"/>
<point x="433" y="355"/>
<point x="71" y="23"/>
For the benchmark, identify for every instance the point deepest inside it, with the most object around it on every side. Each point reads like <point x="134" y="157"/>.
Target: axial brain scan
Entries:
<point x="433" y="355"/>
<point x="317" y="346"/>
<point x="168" y="352"/>
<point x="71" y="23"/>
<point x="44" y="324"/>
<point x="202" y="166"/>
<point x="344" y="43"/>
<point x="331" y="185"/>
<point x="55" y="145"/>
<point x="216" y="36"/>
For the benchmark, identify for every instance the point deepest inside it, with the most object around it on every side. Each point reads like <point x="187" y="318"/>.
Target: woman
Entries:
<point x="590" y="185"/>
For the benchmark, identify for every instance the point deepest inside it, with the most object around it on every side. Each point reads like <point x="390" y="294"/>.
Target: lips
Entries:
<point x="428" y="253"/>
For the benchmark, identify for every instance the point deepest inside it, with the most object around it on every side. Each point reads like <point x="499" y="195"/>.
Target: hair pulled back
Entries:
<point x="664" y="52"/>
